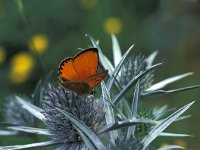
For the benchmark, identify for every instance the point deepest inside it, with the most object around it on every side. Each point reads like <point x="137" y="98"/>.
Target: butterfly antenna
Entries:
<point x="20" y="7"/>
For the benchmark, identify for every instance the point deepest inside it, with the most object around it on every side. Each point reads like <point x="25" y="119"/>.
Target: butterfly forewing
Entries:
<point x="86" y="63"/>
<point x="82" y="66"/>
<point x="67" y="70"/>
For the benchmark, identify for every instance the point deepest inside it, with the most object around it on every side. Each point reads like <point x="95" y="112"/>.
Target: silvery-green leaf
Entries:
<point x="7" y="133"/>
<point x="131" y="83"/>
<point x="165" y="82"/>
<point x="109" y="113"/>
<point x="117" y="55"/>
<point x="159" y="112"/>
<point x="151" y="58"/>
<point x="157" y="130"/>
<point x="40" y="88"/>
<point x="125" y="123"/>
<point x="136" y="97"/>
<point x="29" y="146"/>
<point x="125" y="107"/>
<point x="34" y="110"/>
<point x="117" y="69"/>
<point x="174" y="134"/>
<point x="87" y="141"/>
<point x="103" y="59"/>
<point x="179" y="118"/>
<point x="119" y="113"/>
<point x="107" y="62"/>
<point x="82" y="127"/>
<point x="170" y="91"/>
<point x="183" y="117"/>
<point x="134" y="108"/>
<point x="30" y="130"/>
<point x="170" y="147"/>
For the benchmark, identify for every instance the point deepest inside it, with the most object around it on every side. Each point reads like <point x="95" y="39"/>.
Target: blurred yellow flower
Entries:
<point x="181" y="143"/>
<point x="38" y="43"/>
<point x="88" y="4"/>
<point x="21" y="66"/>
<point x="163" y="144"/>
<point x="2" y="55"/>
<point x="112" y="25"/>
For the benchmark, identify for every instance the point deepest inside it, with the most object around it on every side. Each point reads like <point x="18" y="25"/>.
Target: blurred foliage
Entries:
<point x="36" y="35"/>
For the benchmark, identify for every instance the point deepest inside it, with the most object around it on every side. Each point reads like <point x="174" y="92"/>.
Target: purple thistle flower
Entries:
<point x="83" y="107"/>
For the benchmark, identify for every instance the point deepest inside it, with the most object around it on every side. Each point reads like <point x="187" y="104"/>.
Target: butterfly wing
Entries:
<point x="94" y="80"/>
<point x="77" y="87"/>
<point x="82" y="66"/>
<point x="67" y="70"/>
<point x="86" y="63"/>
<point x="87" y="85"/>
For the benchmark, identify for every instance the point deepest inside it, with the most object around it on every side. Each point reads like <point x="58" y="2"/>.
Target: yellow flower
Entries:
<point x="38" y="43"/>
<point x="112" y="25"/>
<point x="2" y="55"/>
<point x="21" y="66"/>
<point x="181" y="143"/>
<point x="88" y="4"/>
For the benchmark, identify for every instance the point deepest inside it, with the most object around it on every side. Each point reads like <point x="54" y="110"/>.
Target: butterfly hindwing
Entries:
<point x="78" y="87"/>
<point x="94" y="80"/>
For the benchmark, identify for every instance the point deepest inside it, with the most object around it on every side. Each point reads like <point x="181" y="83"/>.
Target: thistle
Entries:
<point x="17" y="115"/>
<point x="111" y="121"/>
<point x="83" y="108"/>
<point x="133" y="67"/>
<point x="127" y="144"/>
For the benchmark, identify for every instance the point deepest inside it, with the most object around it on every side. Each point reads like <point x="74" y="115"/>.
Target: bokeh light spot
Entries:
<point x="2" y="55"/>
<point x="163" y="144"/>
<point x="38" y="43"/>
<point x="181" y="143"/>
<point x="88" y="4"/>
<point x="112" y="25"/>
<point x="21" y="66"/>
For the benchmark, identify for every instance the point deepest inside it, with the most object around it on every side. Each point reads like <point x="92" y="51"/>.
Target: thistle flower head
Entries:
<point x="15" y="114"/>
<point x="82" y="107"/>
<point x="143" y="129"/>
<point x="155" y="114"/>
<point x="132" y="67"/>
<point x="127" y="144"/>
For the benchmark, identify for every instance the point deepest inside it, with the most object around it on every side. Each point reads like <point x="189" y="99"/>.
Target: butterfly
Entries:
<point x="79" y="73"/>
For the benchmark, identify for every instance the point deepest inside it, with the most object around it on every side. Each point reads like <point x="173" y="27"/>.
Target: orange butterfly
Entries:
<point x="79" y="73"/>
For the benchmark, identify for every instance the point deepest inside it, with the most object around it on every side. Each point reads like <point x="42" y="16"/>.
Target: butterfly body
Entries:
<point x="79" y="73"/>
<point x="81" y="88"/>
